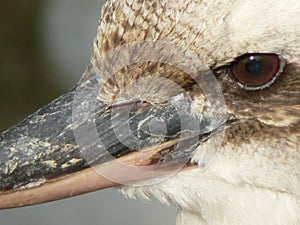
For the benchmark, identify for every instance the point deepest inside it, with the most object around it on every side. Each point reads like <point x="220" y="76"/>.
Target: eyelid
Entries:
<point x="251" y="87"/>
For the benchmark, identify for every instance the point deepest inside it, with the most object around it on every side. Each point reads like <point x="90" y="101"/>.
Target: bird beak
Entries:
<point x="78" y="144"/>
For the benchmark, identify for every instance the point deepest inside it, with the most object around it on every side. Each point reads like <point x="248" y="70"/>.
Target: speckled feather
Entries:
<point x="257" y="168"/>
<point x="256" y="177"/>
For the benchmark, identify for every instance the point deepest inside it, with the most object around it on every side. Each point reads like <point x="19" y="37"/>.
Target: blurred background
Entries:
<point x="44" y="49"/>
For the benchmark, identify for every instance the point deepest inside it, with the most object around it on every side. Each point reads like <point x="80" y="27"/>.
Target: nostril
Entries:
<point x="157" y="127"/>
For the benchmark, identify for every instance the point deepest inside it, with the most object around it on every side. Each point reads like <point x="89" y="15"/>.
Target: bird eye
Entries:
<point x="256" y="71"/>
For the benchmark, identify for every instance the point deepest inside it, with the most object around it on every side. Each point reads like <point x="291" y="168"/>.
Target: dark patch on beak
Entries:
<point x="36" y="148"/>
<point x="43" y="147"/>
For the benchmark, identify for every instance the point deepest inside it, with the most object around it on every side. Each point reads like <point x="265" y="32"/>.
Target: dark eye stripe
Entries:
<point x="256" y="71"/>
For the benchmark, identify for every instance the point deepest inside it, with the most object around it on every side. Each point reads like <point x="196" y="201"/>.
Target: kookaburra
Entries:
<point x="184" y="74"/>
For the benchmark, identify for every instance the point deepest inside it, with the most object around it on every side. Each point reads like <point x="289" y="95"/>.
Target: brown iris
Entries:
<point x="255" y="71"/>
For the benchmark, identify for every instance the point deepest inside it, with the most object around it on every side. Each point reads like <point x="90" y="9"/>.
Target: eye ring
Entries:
<point x="256" y="71"/>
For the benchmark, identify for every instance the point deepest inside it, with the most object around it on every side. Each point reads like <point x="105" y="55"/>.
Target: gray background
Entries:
<point x="39" y="62"/>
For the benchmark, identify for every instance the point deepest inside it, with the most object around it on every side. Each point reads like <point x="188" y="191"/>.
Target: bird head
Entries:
<point x="203" y="94"/>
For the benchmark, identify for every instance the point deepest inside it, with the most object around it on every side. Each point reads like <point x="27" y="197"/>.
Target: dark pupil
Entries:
<point x="253" y="66"/>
